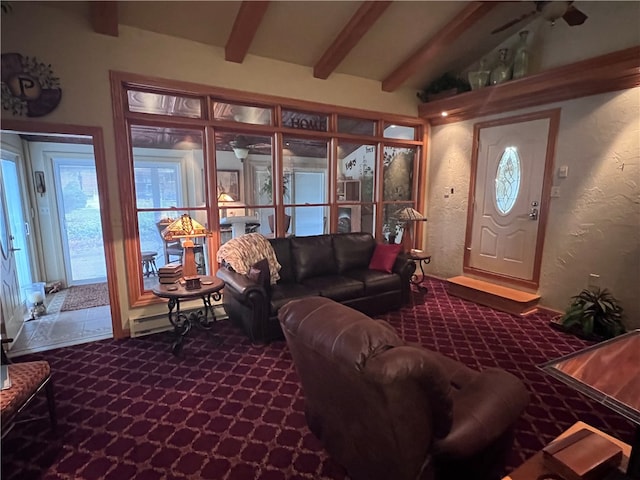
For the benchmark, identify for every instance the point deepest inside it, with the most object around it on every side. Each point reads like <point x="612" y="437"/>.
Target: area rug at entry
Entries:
<point x="86" y="296"/>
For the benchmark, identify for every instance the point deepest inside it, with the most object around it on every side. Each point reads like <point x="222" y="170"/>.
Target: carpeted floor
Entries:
<point x="85" y="296"/>
<point x="234" y="411"/>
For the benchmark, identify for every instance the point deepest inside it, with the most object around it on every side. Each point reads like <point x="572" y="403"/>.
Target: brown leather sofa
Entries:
<point x="334" y="266"/>
<point x="388" y="410"/>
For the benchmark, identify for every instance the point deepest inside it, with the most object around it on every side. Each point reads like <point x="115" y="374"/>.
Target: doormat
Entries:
<point x="86" y="296"/>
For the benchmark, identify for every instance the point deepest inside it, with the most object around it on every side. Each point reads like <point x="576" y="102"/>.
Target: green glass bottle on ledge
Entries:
<point x="502" y="71"/>
<point x="521" y="57"/>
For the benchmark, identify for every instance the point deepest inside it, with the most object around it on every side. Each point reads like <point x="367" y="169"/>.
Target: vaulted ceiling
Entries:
<point x="399" y="44"/>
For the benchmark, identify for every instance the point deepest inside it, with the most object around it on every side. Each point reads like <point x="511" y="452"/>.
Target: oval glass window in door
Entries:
<point x="508" y="176"/>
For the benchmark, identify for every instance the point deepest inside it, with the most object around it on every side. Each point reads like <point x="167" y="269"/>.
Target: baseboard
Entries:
<point x="142" y="326"/>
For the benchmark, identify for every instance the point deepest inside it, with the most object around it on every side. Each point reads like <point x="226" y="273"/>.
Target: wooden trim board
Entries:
<point x="495" y="296"/>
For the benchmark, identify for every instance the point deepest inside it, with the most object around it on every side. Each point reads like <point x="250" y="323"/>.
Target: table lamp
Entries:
<point x="223" y="199"/>
<point x="409" y="216"/>
<point x="187" y="228"/>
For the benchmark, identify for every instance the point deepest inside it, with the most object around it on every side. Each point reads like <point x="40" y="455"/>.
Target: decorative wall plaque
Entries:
<point x="29" y="87"/>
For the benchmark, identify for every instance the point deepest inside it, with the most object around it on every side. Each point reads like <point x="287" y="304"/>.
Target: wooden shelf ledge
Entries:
<point x="607" y="73"/>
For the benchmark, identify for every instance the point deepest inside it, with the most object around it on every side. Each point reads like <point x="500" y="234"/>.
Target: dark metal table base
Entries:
<point x="419" y="281"/>
<point x="183" y="322"/>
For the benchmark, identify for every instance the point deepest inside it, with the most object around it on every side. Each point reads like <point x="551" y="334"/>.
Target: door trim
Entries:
<point x="103" y="191"/>
<point x="553" y="115"/>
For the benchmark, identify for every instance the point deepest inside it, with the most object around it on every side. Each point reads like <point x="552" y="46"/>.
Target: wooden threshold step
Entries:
<point x="495" y="296"/>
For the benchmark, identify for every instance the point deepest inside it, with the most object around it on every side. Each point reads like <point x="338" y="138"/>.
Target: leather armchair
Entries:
<point x="385" y="409"/>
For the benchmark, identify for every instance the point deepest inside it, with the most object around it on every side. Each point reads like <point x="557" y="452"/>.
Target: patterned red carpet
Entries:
<point x="129" y="409"/>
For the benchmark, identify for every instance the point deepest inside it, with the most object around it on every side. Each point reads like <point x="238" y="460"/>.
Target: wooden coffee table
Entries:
<point x="533" y="469"/>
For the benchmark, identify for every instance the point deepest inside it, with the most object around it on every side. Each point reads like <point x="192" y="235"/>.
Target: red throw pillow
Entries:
<point x="384" y="256"/>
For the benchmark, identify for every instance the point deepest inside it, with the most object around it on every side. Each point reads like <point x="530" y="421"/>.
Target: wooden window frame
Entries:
<point x="123" y="118"/>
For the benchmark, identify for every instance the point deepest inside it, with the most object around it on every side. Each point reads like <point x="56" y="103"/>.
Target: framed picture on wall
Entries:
<point x="229" y="183"/>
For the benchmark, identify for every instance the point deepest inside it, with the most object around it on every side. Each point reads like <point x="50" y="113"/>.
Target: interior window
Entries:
<point x="168" y="170"/>
<point x="306" y="187"/>
<point x="355" y="187"/>
<point x="305" y="173"/>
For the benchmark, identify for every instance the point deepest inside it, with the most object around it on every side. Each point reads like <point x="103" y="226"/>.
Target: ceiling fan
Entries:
<point x="241" y="146"/>
<point x="550" y="11"/>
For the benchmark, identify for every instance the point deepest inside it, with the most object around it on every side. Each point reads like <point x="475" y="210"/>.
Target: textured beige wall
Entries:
<point x="593" y="227"/>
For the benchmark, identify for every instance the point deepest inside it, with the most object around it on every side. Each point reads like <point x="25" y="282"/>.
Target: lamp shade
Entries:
<point x="184" y="227"/>
<point x="410" y="215"/>
<point x="240" y="153"/>
<point x="225" y="197"/>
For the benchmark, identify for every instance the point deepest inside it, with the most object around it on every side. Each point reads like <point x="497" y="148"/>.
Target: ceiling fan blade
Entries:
<point x="574" y="17"/>
<point x="514" y="21"/>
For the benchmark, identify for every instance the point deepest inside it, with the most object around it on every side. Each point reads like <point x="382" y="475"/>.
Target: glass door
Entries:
<point x="79" y="218"/>
<point x="16" y="216"/>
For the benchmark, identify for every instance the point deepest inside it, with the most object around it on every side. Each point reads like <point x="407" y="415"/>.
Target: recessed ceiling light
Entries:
<point x="444" y="114"/>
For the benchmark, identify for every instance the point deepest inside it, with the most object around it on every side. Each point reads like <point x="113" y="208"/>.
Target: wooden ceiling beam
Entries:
<point x="244" y="29"/>
<point x="104" y="17"/>
<point x="359" y="24"/>
<point x="473" y="12"/>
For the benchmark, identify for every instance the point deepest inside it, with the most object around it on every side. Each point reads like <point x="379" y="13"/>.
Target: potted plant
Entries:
<point x="267" y="186"/>
<point x="445" y="86"/>
<point x="267" y="189"/>
<point x="594" y="315"/>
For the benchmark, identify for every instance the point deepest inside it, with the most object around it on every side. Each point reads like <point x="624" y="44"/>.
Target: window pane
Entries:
<point x="356" y="171"/>
<point x="355" y="218"/>
<point x="242" y="113"/>
<point x="401" y="132"/>
<point x="398" y="173"/>
<point x="156" y="252"/>
<point x="306" y="162"/>
<point x="307" y="221"/>
<point x="508" y="180"/>
<point x="392" y="226"/>
<point x="356" y="126"/>
<point x="244" y="163"/>
<point x="235" y="222"/>
<point x="304" y="120"/>
<point x="158" y="104"/>
<point x="168" y="167"/>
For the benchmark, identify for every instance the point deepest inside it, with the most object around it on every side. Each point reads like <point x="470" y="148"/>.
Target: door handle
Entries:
<point x="14" y="249"/>
<point x="533" y="214"/>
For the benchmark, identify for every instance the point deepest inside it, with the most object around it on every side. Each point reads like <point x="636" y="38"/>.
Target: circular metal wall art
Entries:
<point x="29" y="87"/>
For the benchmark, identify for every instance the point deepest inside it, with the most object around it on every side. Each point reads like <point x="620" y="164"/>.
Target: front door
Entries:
<point x="508" y="209"/>
<point x="10" y="299"/>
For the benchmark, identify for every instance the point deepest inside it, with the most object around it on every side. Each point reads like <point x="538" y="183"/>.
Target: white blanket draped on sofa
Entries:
<point x="242" y="252"/>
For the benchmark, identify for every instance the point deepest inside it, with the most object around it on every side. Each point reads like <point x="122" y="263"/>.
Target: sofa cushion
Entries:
<point x="313" y="256"/>
<point x="353" y="250"/>
<point x="336" y="287"/>
<point x="283" y="292"/>
<point x="375" y="281"/>
<point x="282" y="249"/>
<point x="384" y="256"/>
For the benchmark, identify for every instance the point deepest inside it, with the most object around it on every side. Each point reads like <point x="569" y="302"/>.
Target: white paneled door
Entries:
<point x="11" y="309"/>
<point x="508" y="195"/>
